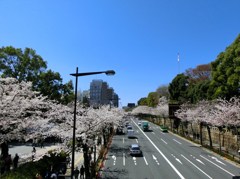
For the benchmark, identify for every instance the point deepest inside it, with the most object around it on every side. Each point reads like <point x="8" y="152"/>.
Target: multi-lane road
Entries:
<point x="165" y="155"/>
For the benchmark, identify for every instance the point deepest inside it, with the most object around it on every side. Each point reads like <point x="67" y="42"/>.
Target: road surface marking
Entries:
<point x="136" y="140"/>
<point x="177" y="141"/>
<point x="214" y="158"/>
<point x="123" y="140"/>
<point x="197" y="159"/>
<point x="196" y="167"/>
<point x="154" y="133"/>
<point x="123" y="159"/>
<point x="173" y="167"/>
<point x="218" y="166"/>
<point x="155" y="158"/>
<point x="114" y="159"/>
<point x="145" y="160"/>
<point x="134" y="160"/>
<point x="164" y="141"/>
<point x="177" y="159"/>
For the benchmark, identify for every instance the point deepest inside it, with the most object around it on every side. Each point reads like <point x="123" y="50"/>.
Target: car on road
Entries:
<point x="130" y="133"/>
<point x="163" y="128"/>
<point x="120" y="130"/>
<point x="135" y="150"/>
<point x="129" y="127"/>
<point x="139" y="123"/>
<point x="145" y="126"/>
<point x="126" y="123"/>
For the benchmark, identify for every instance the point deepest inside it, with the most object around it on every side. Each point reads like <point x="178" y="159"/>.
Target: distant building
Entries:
<point x="131" y="105"/>
<point x="102" y="94"/>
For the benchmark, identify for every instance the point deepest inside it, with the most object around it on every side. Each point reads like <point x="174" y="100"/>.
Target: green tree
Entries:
<point x="26" y="65"/>
<point x="152" y="99"/>
<point x="178" y="88"/>
<point x="23" y="65"/>
<point x="142" y="102"/>
<point x="226" y="73"/>
<point x="163" y="91"/>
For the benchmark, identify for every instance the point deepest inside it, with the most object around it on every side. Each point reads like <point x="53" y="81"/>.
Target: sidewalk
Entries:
<point x="79" y="161"/>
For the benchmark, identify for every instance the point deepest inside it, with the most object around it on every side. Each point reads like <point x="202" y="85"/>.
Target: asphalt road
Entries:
<point x="165" y="155"/>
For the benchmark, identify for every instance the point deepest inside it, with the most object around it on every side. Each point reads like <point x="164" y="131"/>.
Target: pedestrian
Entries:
<point x="82" y="170"/>
<point x="15" y="161"/>
<point x="76" y="173"/>
<point x="34" y="149"/>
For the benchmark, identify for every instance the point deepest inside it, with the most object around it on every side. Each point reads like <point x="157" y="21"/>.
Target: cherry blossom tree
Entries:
<point x="220" y="113"/>
<point x="26" y="114"/>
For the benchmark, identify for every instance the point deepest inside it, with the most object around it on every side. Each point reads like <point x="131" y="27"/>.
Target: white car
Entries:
<point x="135" y="150"/>
<point x="139" y="123"/>
<point x="130" y="133"/>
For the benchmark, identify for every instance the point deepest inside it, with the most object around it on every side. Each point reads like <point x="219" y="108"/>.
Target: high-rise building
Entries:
<point x="102" y="94"/>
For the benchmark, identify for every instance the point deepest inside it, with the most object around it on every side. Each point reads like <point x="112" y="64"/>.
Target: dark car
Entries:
<point x="120" y="130"/>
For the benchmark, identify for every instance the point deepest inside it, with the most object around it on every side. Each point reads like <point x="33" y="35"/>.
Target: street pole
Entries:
<point x="108" y="72"/>
<point x="74" y="126"/>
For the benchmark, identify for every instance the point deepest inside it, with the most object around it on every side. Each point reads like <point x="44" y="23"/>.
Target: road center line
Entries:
<point x="196" y="166"/>
<point x="123" y="159"/>
<point x="173" y="167"/>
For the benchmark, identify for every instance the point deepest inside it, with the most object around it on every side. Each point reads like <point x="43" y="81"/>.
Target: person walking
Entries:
<point x="76" y="173"/>
<point x="15" y="161"/>
<point x="82" y="171"/>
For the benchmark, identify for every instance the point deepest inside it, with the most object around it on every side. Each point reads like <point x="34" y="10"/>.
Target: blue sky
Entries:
<point x="139" y="39"/>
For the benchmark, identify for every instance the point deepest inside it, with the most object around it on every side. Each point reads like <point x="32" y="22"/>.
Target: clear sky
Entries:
<point x="139" y="39"/>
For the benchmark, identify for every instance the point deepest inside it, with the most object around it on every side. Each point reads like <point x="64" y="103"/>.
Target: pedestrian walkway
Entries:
<point x="25" y="151"/>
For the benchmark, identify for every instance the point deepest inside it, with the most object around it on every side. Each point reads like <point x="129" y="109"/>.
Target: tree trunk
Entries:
<point x="209" y="136"/>
<point x="4" y="157"/>
<point x="192" y="132"/>
<point x="201" y="139"/>
<point x="219" y="139"/>
<point x="86" y="160"/>
<point x="182" y="129"/>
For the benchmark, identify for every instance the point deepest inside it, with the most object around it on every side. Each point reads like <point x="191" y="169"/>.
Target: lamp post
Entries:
<point x="108" y="72"/>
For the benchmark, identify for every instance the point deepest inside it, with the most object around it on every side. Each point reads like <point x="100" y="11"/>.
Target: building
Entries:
<point x="102" y="94"/>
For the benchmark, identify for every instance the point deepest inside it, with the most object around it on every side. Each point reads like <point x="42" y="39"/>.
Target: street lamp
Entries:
<point x="108" y="72"/>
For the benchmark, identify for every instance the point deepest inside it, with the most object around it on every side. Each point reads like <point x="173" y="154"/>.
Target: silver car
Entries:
<point x="135" y="150"/>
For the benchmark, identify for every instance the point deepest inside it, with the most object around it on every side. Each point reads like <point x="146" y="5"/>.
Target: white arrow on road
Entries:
<point x="114" y="159"/>
<point x="177" y="159"/>
<point x="134" y="159"/>
<point x="155" y="158"/>
<point x="214" y="158"/>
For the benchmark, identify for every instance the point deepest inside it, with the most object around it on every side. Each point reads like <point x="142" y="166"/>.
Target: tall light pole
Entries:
<point x="108" y="72"/>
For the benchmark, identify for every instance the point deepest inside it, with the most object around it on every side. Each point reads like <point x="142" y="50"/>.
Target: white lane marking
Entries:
<point x="134" y="160"/>
<point x="155" y="158"/>
<point x="173" y="167"/>
<point x="145" y="160"/>
<point x="123" y="159"/>
<point x="200" y="161"/>
<point x="154" y="133"/>
<point x="123" y="140"/>
<point x="164" y="141"/>
<point x="196" y="167"/>
<point x="217" y="166"/>
<point x="197" y="159"/>
<point x="177" y="141"/>
<point x="136" y="140"/>
<point x="177" y="159"/>
<point x="218" y="160"/>
<point x="163" y="133"/>
<point x="114" y="159"/>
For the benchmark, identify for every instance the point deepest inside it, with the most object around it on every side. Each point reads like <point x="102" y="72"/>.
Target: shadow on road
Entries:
<point x="114" y="173"/>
